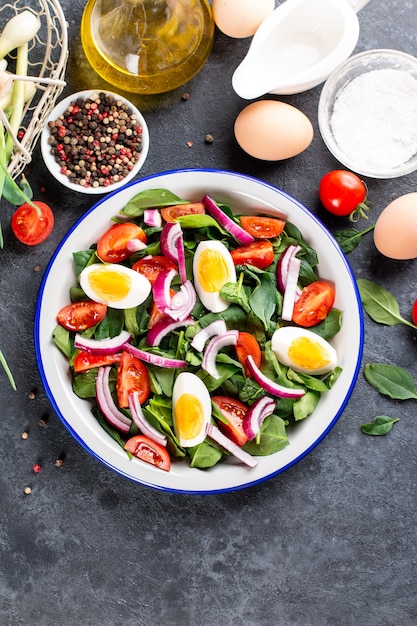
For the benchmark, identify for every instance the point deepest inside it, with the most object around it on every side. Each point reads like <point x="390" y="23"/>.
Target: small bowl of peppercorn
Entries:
<point x="94" y="142"/>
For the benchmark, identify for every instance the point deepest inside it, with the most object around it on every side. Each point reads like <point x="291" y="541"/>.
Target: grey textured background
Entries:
<point x="331" y="542"/>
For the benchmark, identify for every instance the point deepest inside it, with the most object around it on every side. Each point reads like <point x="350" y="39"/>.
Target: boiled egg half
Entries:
<point x="303" y="350"/>
<point x="213" y="267"/>
<point x="115" y="285"/>
<point x="191" y="409"/>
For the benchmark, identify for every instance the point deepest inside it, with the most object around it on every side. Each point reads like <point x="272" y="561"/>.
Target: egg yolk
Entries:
<point x="189" y="416"/>
<point x="109" y="285"/>
<point x="308" y="354"/>
<point x="212" y="271"/>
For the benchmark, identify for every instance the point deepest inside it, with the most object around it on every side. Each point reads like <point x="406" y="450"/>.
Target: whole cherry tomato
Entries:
<point x="343" y="193"/>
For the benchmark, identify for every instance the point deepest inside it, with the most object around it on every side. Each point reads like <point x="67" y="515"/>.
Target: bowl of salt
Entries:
<point x="368" y="113"/>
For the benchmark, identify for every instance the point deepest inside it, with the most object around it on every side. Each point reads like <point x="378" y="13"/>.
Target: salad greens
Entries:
<point x="255" y="308"/>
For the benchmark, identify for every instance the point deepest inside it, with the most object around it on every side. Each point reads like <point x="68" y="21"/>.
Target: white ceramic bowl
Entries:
<point x="54" y="167"/>
<point x="243" y="193"/>
<point x="364" y="143"/>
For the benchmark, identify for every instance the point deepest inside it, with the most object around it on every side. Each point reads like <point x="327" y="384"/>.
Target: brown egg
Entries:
<point x="395" y="233"/>
<point x="271" y="130"/>
<point x="240" y="18"/>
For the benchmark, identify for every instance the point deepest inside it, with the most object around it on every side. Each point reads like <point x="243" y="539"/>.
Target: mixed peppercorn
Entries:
<point x="96" y="141"/>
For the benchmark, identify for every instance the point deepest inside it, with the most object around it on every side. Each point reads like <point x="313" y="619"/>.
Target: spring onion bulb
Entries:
<point x="19" y="30"/>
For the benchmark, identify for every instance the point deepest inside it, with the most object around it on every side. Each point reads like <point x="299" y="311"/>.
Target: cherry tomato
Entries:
<point x="32" y="226"/>
<point x="144" y="448"/>
<point x="172" y="213"/>
<point x="343" y="193"/>
<point x="112" y="245"/>
<point x="81" y="315"/>
<point x="258" y="253"/>
<point x="262" y="227"/>
<point x="151" y="267"/>
<point x="132" y="375"/>
<point x="85" y="361"/>
<point x="314" y="304"/>
<point x="247" y="345"/>
<point x="234" y="411"/>
<point x="414" y="313"/>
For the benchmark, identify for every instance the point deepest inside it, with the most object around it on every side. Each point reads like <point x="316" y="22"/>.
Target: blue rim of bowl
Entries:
<point x="248" y="484"/>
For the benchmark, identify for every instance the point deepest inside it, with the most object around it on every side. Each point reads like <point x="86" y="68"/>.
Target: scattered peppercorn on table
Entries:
<point x="329" y="541"/>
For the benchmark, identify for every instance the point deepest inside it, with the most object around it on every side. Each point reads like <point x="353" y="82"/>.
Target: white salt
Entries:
<point x="374" y="120"/>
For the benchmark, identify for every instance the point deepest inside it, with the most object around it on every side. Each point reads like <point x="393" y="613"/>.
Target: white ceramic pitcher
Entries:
<point x="298" y="46"/>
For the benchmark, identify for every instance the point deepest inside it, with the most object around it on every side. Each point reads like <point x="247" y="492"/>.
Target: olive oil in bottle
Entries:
<point x="147" y="46"/>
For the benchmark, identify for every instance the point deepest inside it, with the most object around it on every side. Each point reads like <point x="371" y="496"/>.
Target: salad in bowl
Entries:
<point x="201" y="339"/>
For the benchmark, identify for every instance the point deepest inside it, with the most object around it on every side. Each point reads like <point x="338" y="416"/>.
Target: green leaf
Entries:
<point x="6" y="368"/>
<point x="381" y="425"/>
<point x="380" y="304"/>
<point x="236" y="293"/>
<point x="199" y="221"/>
<point x="273" y="437"/>
<point x="349" y="238"/>
<point x="150" y="199"/>
<point x="391" y="380"/>
<point x="205" y="455"/>
<point x="305" y="405"/>
<point x="62" y="339"/>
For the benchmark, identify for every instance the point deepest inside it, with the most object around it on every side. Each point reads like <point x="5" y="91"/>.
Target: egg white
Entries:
<point x="137" y="286"/>
<point x="211" y="297"/>
<point x="283" y="338"/>
<point x="191" y="385"/>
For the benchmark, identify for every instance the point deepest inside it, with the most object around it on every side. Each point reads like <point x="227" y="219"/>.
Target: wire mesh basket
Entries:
<point x="48" y="54"/>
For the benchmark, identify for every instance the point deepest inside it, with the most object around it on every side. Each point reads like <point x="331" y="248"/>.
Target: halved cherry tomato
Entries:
<point x="85" y="361"/>
<point x="172" y="213"/>
<point x="247" y="345"/>
<point x="314" y="304"/>
<point x="112" y="245"/>
<point x="262" y="227"/>
<point x="149" y="451"/>
<point x="151" y="267"/>
<point x="132" y="375"/>
<point x="343" y="193"/>
<point x="32" y="226"/>
<point x="234" y="411"/>
<point x="81" y="315"/>
<point x="258" y="253"/>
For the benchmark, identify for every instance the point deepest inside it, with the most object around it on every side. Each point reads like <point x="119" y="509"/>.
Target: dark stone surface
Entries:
<point x="331" y="542"/>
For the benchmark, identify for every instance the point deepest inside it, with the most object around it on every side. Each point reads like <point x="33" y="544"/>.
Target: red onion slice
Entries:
<point x="218" y="327"/>
<point x="182" y="302"/>
<point x="134" y="245"/>
<point x="152" y="217"/>
<point x="154" y="359"/>
<point x="169" y="236"/>
<point x="228" y="224"/>
<point x="102" y="346"/>
<point x="269" y="385"/>
<point x="229" y="445"/>
<point x="283" y="265"/>
<point x="106" y="403"/>
<point x="163" y="328"/>
<point x="216" y="343"/>
<point x="291" y="288"/>
<point x="161" y="289"/>
<point x="142" y="423"/>
<point x="254" y="417"/>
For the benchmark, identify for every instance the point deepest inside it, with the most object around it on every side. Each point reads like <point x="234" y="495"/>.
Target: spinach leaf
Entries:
<point x="84" y="384"/>
<point x="380" y="304"/>
<point x="82" y="259"/>
<point x="197" y="220"/>
<point x="63" y="340"/>
<point x="262" y="298"/>
<point x="391" y="380"/>
<point x="149" y="199"/>
<point x="303" y="407"/>
<point x="273" y="437"/>
<point x="381" y="425"/>
<point x="349" y="238"/>
<point x="330" y="326"/>
<point x="112" y="324"/>
<point x="205" y="455"/>
<point x="237" y="293"/>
